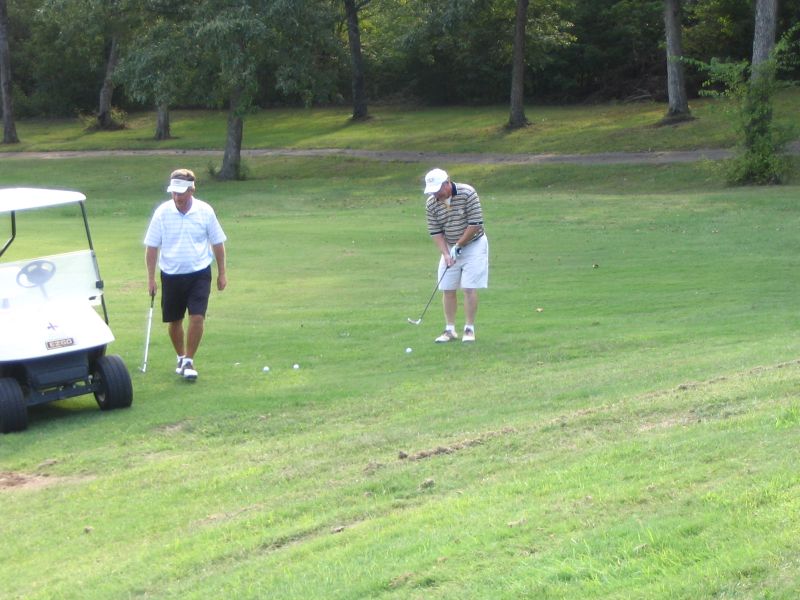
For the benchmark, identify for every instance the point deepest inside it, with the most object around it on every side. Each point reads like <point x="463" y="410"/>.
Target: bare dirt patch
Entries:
<point x="10" y="480"/>
<point x="463" y="444"/>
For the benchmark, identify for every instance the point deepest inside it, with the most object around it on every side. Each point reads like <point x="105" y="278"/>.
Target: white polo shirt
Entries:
<point x="184" y="240"/>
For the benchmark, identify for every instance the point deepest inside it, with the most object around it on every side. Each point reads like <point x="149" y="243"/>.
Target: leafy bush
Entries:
<point x="119" y="120"/>
<point x="761" y="158"/>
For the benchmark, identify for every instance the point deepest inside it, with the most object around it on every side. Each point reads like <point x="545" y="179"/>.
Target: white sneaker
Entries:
<point x="178" y="370"/>
<point x="469" y="335"/>
<point x="187" y="370"/>
<point x="447" y="336"/>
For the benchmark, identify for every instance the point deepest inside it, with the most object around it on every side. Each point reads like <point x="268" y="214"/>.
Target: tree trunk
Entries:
<point x="9" y="128"/>
<point x="761" y="162"/>
<point x="232" y="159"/>
<point x="356" y="61"/>
<point x="764" y="36"/>
<point x="676" y="86"/>
<point x="104" y="118"/>
<point x="517" y="118"/>
<point x="162" y="122"/>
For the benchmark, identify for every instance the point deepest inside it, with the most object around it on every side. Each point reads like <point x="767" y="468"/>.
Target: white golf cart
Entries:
<point x="52" y="337"/>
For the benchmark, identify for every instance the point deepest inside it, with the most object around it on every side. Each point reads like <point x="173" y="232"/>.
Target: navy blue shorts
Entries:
<point x="180" y="293"/>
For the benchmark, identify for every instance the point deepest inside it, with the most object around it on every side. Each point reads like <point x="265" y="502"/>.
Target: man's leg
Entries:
<point x="194" y="334"/>
<point x="470" y="305"/>
<point x="176" y="336"/>
<point x="450" y="303"/>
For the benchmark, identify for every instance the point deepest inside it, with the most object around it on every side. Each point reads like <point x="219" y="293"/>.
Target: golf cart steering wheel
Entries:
<point x="36" y="273"/>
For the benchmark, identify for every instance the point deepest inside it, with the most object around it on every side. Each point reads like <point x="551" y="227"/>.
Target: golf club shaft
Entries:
<point x="435" y="289"/>
<point x="147" y="337"/>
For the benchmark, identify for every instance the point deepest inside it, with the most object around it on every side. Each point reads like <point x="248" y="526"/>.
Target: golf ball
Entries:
<point x="408" y="350"/>
<point x="295" y="366"/>
<point x="265" y="369"/>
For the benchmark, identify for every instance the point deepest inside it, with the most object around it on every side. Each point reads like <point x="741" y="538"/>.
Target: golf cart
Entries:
<point x="52" y="337"/>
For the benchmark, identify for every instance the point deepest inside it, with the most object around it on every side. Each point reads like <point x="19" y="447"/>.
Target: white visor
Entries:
<point x="179" y="185"/>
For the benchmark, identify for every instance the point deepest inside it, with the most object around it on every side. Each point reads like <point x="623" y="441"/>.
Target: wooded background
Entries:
<point x="298" y="52"/>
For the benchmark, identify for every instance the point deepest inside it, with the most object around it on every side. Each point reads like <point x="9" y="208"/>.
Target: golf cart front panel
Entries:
<point x="47" y="306"/>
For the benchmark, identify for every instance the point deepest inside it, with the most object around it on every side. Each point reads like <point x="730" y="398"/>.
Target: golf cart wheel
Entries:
<point x="13" y="411"/>
<point x="114" y="389"/>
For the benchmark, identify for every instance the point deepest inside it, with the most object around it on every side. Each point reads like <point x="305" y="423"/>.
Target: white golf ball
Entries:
<point x="295" y="366"/>
<point x="265" y="369"/>
<point x="408" y="350"/>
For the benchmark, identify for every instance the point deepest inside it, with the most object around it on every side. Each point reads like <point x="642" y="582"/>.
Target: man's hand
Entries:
<point x="455" y="252"/>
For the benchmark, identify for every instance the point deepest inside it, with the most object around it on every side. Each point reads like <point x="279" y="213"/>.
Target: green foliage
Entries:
<point x="119" y="120"/>
<point x="295" y="52"/>
<point x="54" y="73"/>
<point x="152" y="74"/>
<point x="761" y="140"/>
<point x="594" y="66"/>
<point x="242" y="174"/>
<point x="453" y="51"/>
<point x="721" y="29"/>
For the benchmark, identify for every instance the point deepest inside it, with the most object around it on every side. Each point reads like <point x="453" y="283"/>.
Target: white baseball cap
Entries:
<point x="179" y="185"/>
<point x="434" y="180"/>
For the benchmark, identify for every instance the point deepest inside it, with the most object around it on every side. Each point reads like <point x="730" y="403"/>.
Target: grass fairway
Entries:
<point x="626" y="425"/>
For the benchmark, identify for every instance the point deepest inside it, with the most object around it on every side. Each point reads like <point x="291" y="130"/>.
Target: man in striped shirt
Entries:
<point x="184" y="237"/>
<point x="455" y="223"/>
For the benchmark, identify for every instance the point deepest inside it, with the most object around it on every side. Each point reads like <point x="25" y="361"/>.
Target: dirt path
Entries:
<point x="606" y="158"/>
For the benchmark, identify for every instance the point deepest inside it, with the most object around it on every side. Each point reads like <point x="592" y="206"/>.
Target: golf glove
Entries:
<point x="455" y="252"/>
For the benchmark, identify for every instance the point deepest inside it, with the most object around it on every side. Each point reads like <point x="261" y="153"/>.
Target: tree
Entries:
<point x="458" y="51"/>
<point x="356" y="60"/>
<point x="234" y="39"/>
<point x="517" y="118"/>
<point x="764" y="35"/>
<point x="760" y="162"/>
<point x="678" y="104"/>
<point x="104" y="110"/>
<point x="163" y="131"/>
<point x="751" y="86"/>
<point x="108" y="24"/>
<point x="150" y="72"/>
<point x="9" y="128"/>
<point x="239" y="39"/>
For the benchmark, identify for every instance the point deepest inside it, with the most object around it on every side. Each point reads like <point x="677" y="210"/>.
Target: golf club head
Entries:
<point x="414" y="321"/>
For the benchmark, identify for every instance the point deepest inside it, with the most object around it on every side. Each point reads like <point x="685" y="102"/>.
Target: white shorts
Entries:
<point x="471" y="270"/>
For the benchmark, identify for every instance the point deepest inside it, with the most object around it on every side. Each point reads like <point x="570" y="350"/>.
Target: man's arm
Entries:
<point x="219" y="256"/>
<point x="150" y="260"/>
<point x="469" y="235"/>
<point x="441" y="243"/>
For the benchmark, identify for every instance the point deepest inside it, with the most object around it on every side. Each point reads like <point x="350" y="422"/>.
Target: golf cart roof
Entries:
<point x="14" y="199"/>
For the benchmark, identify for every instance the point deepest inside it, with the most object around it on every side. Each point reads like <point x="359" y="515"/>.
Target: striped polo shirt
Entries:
<point x="184" y="240"/>
<point x="451" y="220"/>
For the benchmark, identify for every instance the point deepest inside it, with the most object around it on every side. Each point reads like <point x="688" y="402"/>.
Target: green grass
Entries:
<point x="554" y="129"/>
<point x="634" y="438"/>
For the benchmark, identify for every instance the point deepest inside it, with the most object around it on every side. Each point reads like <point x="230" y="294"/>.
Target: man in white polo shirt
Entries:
<point x="455" y="223"/>
<point x="184" y="237"/>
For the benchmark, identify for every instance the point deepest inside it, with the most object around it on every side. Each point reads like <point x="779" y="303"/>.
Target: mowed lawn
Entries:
<point x="626" y="425"/>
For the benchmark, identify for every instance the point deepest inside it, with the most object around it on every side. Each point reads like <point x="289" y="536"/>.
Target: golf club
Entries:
<point x="147" y="337"/>
<point x="418" y="321"/>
